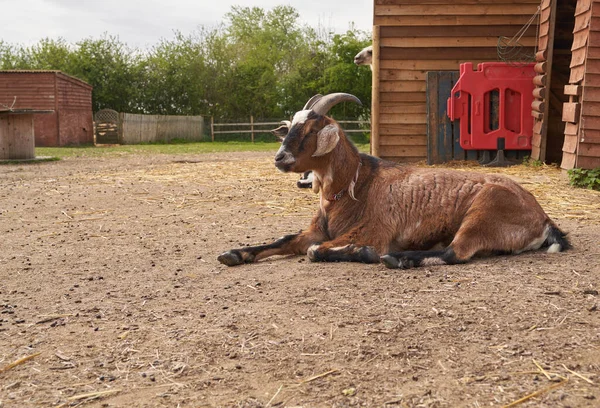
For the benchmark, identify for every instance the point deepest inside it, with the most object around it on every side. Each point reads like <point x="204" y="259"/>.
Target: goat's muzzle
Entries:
<point x="284" y="160"/>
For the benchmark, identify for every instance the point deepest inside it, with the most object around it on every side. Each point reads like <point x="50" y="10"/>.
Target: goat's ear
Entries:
<point x="327" y="140"/>
<point x="281" y="132"/>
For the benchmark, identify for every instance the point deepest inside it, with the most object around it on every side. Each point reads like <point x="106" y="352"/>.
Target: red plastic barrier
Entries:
<point x="493" y="103"/>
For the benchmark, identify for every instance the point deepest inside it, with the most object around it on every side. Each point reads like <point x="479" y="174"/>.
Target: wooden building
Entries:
<point x="567" y="113"/>
<point x="413" y="37"/>
<point x="69" y="98"/>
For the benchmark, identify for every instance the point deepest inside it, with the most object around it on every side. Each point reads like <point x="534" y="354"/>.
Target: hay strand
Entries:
<point x="578" y="375"/>
<point x="92" y="395"/>
<point x="316" y="377"/>
<point x="541" y="369"/>
<point x="535" y="394"/>
<point x="274" y="396"/>
<point x="49" y="318"/>
<point x="18" y="362"/>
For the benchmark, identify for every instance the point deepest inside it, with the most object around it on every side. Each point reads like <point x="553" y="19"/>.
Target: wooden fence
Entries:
<point x="253" y="127"/>
<point x="160" y="128"/>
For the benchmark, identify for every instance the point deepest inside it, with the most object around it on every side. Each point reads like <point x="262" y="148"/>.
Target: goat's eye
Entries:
<point x="370" y="52"/>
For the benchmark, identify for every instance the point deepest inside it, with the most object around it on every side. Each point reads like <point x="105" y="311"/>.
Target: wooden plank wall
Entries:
<point x="431" y="35"/>
<point x="543" y="58"/>
<point x="16" y="136"/>
<point x="70" y="98"/>
<point x="75" y="118"/>
<point x="73" y="93"/>
<point x="33" y="90"/>
<point x="582" y="113"/>
<point x="160" y="128"/>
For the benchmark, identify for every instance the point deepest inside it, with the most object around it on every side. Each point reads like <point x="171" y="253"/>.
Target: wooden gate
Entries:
<point x="107" y="127"/>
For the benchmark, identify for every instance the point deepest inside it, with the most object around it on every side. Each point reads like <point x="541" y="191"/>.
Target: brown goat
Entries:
<point x="372" y="210"/>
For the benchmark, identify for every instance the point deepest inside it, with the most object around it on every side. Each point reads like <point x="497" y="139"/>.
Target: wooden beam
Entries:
<point x="375" y="93"/>
<point x="401" y="86"/>
<point x="540" y="67"/>
<point x="540" y="80"/>
<point x="402" y="129"/>
<point x="404" y="151"/>
<point x="437" y="53"/>
<point x="571" y="112"/>
<point x="538" y="106"/>
<point x="539" y="93"/>
<point x="573" y="90"/>
<point x="571" y="129"/>
<point x="447" y="41"/>
<point x="402" y="97"/>
<point x="453" y="31"/>
<point x="548" y="78"/>
<point x="537" y="115"/>
<point x="448" y="10"/>
<point x="541" y="55"/>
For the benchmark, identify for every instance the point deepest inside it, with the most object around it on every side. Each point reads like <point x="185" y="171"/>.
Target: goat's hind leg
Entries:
<point x="412" y="259"/>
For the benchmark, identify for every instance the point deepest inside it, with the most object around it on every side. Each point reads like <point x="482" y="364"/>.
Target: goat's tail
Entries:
<point x="556" y="241"/>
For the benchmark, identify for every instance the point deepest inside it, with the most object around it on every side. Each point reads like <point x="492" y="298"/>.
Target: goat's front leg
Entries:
<point x="293" y="244"/>
<point x="345" y="248"/>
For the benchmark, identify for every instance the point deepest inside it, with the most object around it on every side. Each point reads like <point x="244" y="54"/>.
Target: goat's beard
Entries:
<point x="286" y="168"/>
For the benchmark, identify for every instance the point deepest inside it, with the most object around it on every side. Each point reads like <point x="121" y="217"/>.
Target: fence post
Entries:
<point x="212" y="128"/>
<point x="252" y="128"/>
<point x="120" y="125"/>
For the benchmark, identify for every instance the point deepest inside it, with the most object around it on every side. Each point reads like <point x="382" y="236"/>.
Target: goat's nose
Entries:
<point x="279" y="156"/>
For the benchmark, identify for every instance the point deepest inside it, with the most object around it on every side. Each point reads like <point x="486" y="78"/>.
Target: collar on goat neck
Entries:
<point x="339" y="174"/>
<point x="349" y="189"/>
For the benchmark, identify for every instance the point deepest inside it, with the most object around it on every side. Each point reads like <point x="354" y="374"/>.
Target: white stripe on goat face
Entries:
<point x="300" y="118"/>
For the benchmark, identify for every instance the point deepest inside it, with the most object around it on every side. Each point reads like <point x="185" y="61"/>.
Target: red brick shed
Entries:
<point x="70" y="99"/>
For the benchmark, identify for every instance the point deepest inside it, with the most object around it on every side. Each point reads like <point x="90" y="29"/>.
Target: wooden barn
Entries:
<point x="412" y="38"/>
<point x="69" y="98"/>
<point x="567" y="115"/>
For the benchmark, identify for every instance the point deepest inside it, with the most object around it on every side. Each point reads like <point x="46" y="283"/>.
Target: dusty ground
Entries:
<point x="109" y="279"/>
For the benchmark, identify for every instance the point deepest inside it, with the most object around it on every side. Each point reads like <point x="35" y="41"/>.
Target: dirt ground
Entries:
<point x="109" y="280"/>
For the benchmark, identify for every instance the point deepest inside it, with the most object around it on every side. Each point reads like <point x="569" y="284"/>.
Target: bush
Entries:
<point x="583" y="178"/>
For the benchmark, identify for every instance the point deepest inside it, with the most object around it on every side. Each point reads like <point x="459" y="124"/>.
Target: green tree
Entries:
<point x="342" y="75"/>
<point x="51" y="54"/>
<point x="113" y="69"/>
<point x="258" y="62"/>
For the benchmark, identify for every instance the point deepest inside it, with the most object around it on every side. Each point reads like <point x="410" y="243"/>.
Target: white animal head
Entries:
<point x="365" y="56"/>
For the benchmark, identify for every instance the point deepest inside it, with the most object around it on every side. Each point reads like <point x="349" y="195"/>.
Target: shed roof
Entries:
<point x="47" y="71"/>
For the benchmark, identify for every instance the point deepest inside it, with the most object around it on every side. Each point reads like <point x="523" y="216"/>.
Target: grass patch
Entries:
<point x="30" y="161"/>
<point x="143" y="149"/>
<point x="177" y="148"/>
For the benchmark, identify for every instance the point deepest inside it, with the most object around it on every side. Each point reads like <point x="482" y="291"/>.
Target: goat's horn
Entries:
<point x="329" y="101"/>
<point x="312" y="101"/>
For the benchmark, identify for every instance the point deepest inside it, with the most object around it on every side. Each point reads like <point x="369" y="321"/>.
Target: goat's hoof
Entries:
<point x="300" y="184"/>
<point x="390" y="262"/>
<point x="231" y="258"/>
<point x="397" y="262"/>
<point x="368" y="254"/>
<point x="313" y="254"/>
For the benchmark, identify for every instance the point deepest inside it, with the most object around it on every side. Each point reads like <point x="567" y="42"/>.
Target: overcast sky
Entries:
<point x="142" y="23"/>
